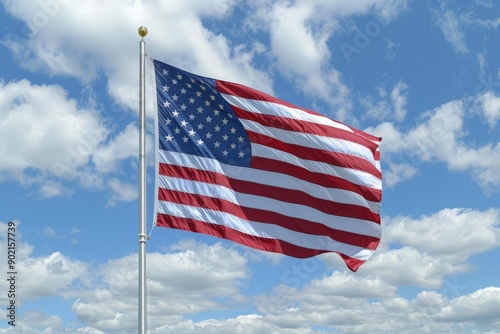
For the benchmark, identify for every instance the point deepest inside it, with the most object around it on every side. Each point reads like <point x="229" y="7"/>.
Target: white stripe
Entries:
<point x="353" y="225"/>
<point x="263" y="230"/>
<point x="311" y="140"/>
<point x="275" y="109"/>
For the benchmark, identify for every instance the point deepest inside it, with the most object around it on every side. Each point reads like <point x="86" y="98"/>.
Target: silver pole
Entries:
<point x="143" y="31"/>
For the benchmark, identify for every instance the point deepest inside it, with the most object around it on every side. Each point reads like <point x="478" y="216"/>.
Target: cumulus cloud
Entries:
<point x="55" y="273"/>
<point x="299" y="33"/>
<point x="87" y="51"/>
<point x="48" y="134"/>
<point x="490" y="103"/>
<point x="441" y="137"/>
<point x="182" y="281"/>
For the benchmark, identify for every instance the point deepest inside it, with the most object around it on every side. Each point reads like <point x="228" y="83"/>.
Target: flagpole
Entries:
<point x="143" y="31"/>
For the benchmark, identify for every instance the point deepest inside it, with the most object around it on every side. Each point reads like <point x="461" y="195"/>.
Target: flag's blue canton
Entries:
<point x="194" y="118"/>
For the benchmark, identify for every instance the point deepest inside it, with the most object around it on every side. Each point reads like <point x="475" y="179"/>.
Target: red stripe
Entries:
<point x="267" y="191"/>
<point x="268" y="217"/>
<point x="265" y="244"/>
<point x="301" y="126"/>
<point x="326" y="180"/>
<point x="333" y="158"/>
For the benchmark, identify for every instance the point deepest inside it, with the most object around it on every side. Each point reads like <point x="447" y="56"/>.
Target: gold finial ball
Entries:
<point x="143" y="31"/>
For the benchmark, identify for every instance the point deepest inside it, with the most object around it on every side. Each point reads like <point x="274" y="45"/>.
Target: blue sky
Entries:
<point x="425" y="76"/>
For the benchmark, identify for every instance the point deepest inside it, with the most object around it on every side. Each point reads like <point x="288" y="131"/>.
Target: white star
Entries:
<point x="183" y="90"/>
<point x="183" y="107"/>
<point x="192" y="133"/>
<point x="216" y="144"/>
<point x="200" y="126"/>
<point x="168" y="121"/>
<point x="225" y="153"/>
<point x="174" y="81"/>
<point x="191" y="100"/>
<point x="209" y="119"/>
<point x="200" y="110"/>
<point x="185" y="139"/>
<point x="169" y="137"/>
<point x="241" y="154"/>
<point x="166" y="104"/>
<point x="177" y="131"/>
<point x="175" y="113"/>
<point x="224" y="121"/>
<point x="191" y="117"/>
<point x="233" y="145"/>
<point x="200" y="142"/>
<point x="179" y="76"/>
<point x="184" y="123"/>
<point x="166" y="88"/>
<point x="208" y="135"/>
<point x="233" y="130"/>
<point x="217" y="128"/>
<point x="175" y="97"/>
<point x="225" y="137"/>
<point x="240" y="139"/>
<point x="165" y="72"/>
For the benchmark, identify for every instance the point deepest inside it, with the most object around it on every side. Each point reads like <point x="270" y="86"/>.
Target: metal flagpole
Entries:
<point x="143" y="31"/>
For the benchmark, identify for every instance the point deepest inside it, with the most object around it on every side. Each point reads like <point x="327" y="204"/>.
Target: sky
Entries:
<point x="423" y="75"/>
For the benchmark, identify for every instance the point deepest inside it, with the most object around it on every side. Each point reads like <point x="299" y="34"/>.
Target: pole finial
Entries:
<point x="143" y="31"/>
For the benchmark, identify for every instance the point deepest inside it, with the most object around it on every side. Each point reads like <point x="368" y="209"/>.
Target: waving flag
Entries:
<point x="241" y="165"/>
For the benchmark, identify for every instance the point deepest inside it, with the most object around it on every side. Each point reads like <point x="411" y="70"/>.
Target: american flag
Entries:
<point x="238" y="164"/>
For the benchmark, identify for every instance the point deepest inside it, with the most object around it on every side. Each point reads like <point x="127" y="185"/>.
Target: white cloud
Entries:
<point x="427" y="312"/>
<point x="45" y="131"/>
<point x="398" y="173"/>
<point x="55" y="273"/>
<point x="387" y="107"/>
<point x="48" y="139"/>
<point x="452" y="29"/>
<point x="430" y="250"/>
<point x="87" y="50"/>
<point x="299" y="34"/>
<point x="478" y="307"/>
<point x="441" y="137"/>
<point x="184" y="281"/>
<point x="123" y="146"/>
<point x="490" y="107"/>
<point x="437" y="234"/>
<point x="121" y="192"/>
<point x="192" y="278"/>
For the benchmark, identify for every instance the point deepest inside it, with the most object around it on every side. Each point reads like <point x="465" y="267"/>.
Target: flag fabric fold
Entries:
<point x="238" y="164"/>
